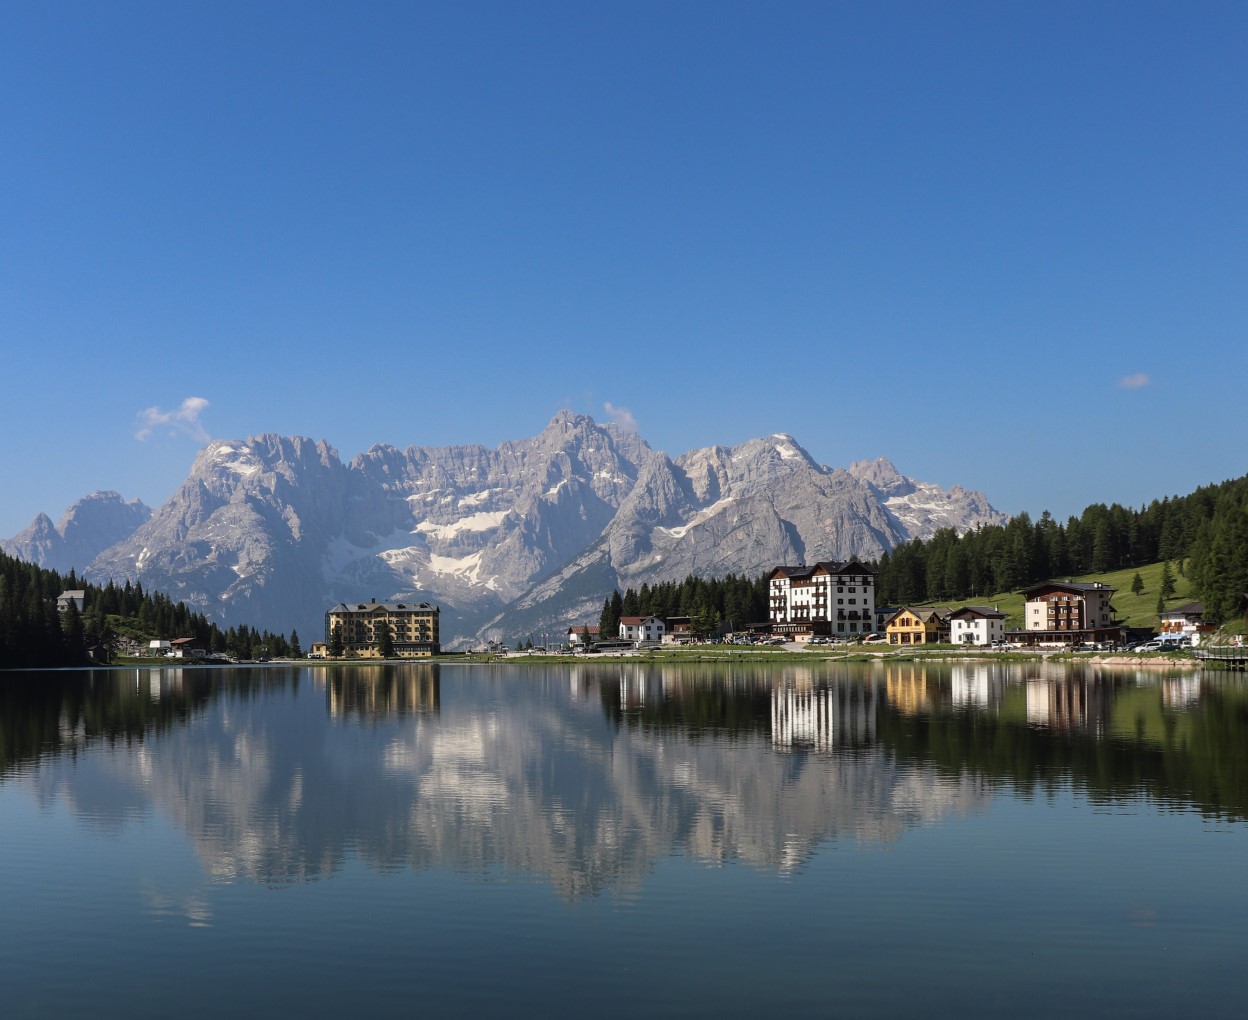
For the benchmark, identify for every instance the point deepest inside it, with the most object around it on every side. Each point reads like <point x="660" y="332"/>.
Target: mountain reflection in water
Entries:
<point x="585" y="776"/>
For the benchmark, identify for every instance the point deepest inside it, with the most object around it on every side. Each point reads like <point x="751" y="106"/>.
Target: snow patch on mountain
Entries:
<point x="786" y="447"/>
<point x="701" y="517"/>
<point x="484" y="521"/>
<point x="272" y="530"/>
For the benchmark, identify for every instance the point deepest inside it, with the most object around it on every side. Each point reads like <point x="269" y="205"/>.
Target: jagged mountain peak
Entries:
<point x="271" y="530"/>
<point x="87" y="528"/>
<point x="882" y="475"/>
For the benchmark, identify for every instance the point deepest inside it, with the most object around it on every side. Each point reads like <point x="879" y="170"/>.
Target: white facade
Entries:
<point x="827" y="598"/>
<point x="976" y="626"/>
<point x="75" y="596"/>
<point x="642" y="629"/>
<point x="576" y="636"/>
<point x="1185" y="621"/>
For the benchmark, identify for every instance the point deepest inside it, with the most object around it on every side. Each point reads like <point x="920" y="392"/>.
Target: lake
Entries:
<point x="624" y="840"/>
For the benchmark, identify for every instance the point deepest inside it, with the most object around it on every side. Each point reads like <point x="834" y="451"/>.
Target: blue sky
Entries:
<point x="1004" y="245"/>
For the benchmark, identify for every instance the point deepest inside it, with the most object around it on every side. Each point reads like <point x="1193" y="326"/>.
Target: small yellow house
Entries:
<point x="918" y="627"/>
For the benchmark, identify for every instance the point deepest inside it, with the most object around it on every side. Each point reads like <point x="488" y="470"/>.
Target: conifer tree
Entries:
<point x="385" y="642"/>
<point x="73" y="635"/>
<point x="1167" y="582"/>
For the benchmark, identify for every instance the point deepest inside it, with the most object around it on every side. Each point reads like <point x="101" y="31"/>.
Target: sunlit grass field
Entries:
<point x="1133" y="610"/>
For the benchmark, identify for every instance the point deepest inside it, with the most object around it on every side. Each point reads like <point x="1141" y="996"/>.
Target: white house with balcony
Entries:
<point x="826" y="599"/>
<point x="1068" y="613"/>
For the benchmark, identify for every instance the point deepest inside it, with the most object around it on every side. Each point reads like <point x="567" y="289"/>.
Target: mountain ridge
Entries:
<point x="524" y="536"/>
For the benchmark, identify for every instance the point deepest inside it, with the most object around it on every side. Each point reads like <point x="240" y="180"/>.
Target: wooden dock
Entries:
<point x="1224" y="657"/>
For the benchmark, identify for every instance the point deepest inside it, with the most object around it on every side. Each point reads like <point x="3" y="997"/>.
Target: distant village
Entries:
<point x="834" y="602"/>
<point x="821" y="604"/>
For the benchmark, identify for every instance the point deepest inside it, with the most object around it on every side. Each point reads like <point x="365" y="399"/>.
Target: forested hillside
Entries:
<point x="1205" y="533"/>
<point x="33" y="634"/>
<point x="734" y="600"/>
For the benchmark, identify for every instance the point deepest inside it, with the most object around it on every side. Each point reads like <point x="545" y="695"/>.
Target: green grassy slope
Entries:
<point x="1133" y="610"/>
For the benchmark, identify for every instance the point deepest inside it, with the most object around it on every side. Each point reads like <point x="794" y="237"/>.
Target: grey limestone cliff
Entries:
<point x="87" y="528"/>
<point x="272" y="530"/>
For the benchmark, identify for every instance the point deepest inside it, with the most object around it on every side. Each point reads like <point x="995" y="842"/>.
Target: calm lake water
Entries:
<point x="623" y="840"/>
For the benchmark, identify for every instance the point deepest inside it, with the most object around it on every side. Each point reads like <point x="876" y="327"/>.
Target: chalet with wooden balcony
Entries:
<point x="1185" y="621"/>
<point x="1068" y="613"/>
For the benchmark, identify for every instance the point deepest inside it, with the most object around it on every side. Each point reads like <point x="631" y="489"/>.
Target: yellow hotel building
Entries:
<point x="360" y="625"/>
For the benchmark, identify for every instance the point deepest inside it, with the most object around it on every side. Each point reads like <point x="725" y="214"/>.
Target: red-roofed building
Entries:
<point x="642" y="629"/>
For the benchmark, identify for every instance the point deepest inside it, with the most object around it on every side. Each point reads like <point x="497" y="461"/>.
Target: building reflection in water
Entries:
<point x="977" y="685"/>
<point x="1180" y="691"/>
<point x="1074" y="701"/>
<point x="639" y="687"/>
<point x="906" y="686"/>
<point x="838" y="714"/>
<point x="591" y="775"/>
<point x="376" y="692"/>
<point x="157" y="683"/>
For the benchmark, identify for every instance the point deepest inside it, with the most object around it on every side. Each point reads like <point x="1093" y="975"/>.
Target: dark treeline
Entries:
<point x="49" y="715"/>
<point x="731" y="600"/>
<point x="34" y="634"/>
<point x="1208" y="529"/>
<point x="1205" y="534"/>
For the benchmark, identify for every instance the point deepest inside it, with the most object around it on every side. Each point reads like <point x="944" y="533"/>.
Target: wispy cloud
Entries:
<point x="182" y="422"/>
<point x="620" y="416"/>
<point x="1134" y="382"/>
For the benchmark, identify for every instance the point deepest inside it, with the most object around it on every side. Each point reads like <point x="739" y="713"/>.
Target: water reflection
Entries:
<point x="365" y="692"/>
<point x="585" y="776"/>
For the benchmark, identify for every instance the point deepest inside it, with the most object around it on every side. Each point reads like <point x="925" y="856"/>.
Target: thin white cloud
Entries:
<point x="620" y="416"/>
<point x="1134" y="382"/>
<point x="182" y="422"/>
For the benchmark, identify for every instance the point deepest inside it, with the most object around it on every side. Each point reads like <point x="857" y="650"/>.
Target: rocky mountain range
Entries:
<point x="87" y="528"/>
<point x="523" y="538"/>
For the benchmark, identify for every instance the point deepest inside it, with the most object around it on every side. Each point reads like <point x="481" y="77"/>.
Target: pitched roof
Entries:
<point x="1077" y="586"/>
<point x="829" y="566"/>
<point x="924" y="613"/>
<point x="987" y="612"/>
<point x="389" y="607"/>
